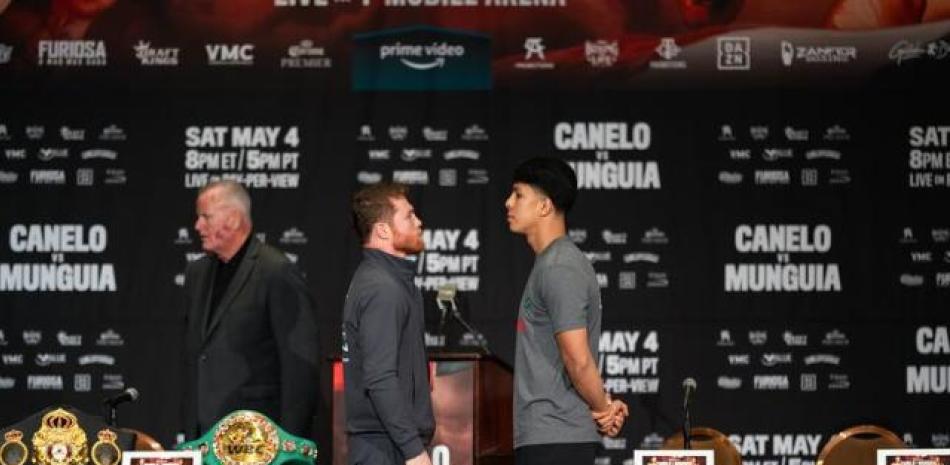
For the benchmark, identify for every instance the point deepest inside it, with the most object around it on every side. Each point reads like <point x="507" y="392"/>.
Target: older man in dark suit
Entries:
<point x="251" y="332"/>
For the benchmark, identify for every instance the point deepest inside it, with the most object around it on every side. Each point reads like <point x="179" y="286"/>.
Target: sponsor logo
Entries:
<point x="602" y="280"/>
<point x="110" y="338"/>
<point x="112" y="382"/>
<point x="791" y="339"/>
<point x="725" y="338"/>
<point x="839" y="176"/>
<point x="940" y="235"/>
<point x="149" y="56"/>
<point x="823" y="154"/>
<point x="614" y="443"/>
<point x="774" y="359"/>
<point x="614" y="238"/>
<point x="12" y="359"/>
<point x="730" y="177"/>
<point x="477" y="176"/>
<point x="435" y="135"/>
<point x="772" y="177"/>
<point x="7" y="383"/>
<point x="49" y="153"/>
<point x="398" y="133"/>
<point x="82" y="382"/>
<point x="292" y="257"/>
<point x="657" y="279"/>
<point x="942" y="279"/>
<point x="6" y="51"/>
<point x="838" y="381"/>
<point x="69" y="340"/>
<point x="912" y="280"/>
<point x="115" y="176"/>
<point x="652" y="441"/>
<point x="461" y="154"/>
<point x="379" y="154"/>
<point x="668" y="50"/>
<point x="44" y="382"/>
<point x="654" y="236"/>
<point x="305" y="54"/>
<point x="32" y="337"/>
<point x="907" y="236"/>
<point x="770" y="382"/>
<point x="740" y="154"/>
<point x="811" y="54"/>
<point x="835" y="338"/>
<point x="733" y="53"/>
<point x="35" y="132"/>
<point x="809" y="177"/>
<point x="70" y="134"/>
<point x="411" y="177"/>
<point x="795" y="134"/>
<point x="739" y="359"/>
<point x="578" y="236"/>
<point x="534" y="55"/>
<point x="922" y="256"/>
<point x="822" y="359"/>
<point x="421" y="58"/>
<point x="369" y="177"/>
<point x="293" y="236"/>
<point x="47" y="359"/>
<point x="104" y="154"/>
<point x="601" y="53"/>
<point x="907" y="50"/>
<point x="759" y="132"/>
<point x="112" y="133"/>
<point x="837" y="132"/>
<point x="71" y="53"/>
<point x="729" y="382"/>
<point x="474" y="133"/>
<point x="448" y="177"/>
<point x="415" y="154"/>
<point x="758" y="338"/>
<point x="595" y="257"/>
<point x="230" y="54"/>
<point x="8" y="177"/>
<point x="4" y="134"/>
<point x="809" y="382"/>
<point x="366" y="134"/>
<point x="96" y="359"/>
<point x="85" y="177"/>
<point x="774" y="154"/>
<point x="15" y="154"/>
<point x="726" y="133"/>
<point x="940" y="439"/>
<point x="627" y="280"/>
<point x="3" y="338"/>
<point x="636" y="257"/>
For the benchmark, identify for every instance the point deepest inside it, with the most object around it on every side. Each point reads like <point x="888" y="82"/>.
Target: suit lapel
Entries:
<point x="234" y="288"/>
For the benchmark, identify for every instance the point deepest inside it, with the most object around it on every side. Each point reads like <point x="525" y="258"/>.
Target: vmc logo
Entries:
<point x="421" y="58"/>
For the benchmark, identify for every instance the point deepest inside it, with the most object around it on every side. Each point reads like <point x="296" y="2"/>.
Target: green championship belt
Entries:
<point x="246" y="437"/>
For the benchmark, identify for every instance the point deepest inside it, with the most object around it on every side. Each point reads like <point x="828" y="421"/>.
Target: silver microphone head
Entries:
<point x="689" y="383"/>
<point x="446" y="293"/>
<point x="133" y="393"/>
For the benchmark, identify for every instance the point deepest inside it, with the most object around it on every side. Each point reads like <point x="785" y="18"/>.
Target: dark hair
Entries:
<point x="553" y="177"/>
<point x="373" y="204"/>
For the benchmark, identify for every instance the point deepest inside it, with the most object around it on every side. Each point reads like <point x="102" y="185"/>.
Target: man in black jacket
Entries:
<point x="251" y="340"/>
<point x="386" y="380"/>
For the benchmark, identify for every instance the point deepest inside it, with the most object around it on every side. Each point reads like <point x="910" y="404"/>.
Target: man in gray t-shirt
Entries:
<point x="560" y="406"/>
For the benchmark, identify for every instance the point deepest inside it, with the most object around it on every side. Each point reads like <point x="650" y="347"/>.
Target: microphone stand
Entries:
<point x="482" y="343"/>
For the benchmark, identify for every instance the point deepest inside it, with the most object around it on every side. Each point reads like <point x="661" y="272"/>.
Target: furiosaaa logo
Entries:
<point x="421" y="58"/>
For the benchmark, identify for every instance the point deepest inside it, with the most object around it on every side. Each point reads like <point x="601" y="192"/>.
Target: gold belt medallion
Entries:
<point x="60" y="440"/>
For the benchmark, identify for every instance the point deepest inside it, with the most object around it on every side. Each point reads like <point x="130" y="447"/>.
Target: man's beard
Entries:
<point x="409" y="244"/>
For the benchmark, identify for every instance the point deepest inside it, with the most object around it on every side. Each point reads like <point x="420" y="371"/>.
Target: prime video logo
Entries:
<point x="421" y="57"/>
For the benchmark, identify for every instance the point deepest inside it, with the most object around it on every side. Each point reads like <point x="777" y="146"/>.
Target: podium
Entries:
<point x="471" y="401"/>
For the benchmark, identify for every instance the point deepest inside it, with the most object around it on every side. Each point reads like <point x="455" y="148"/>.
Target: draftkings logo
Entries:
<point x="152" y="56"/>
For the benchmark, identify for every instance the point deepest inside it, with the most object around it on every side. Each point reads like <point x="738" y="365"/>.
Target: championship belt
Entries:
<point x="13" y="451"/>
<point x="105" y="451"/>
<point x="246" y="437"/>
<point x="59" y="440"/>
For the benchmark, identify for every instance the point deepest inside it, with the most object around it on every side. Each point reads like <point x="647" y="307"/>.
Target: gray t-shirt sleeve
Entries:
<point x="564" y="293"/>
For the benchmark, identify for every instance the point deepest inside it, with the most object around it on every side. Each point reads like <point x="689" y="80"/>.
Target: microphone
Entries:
<point x="689" y="386"/>
<point x="129" y="395"/>
<point x="446" y="295"/>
